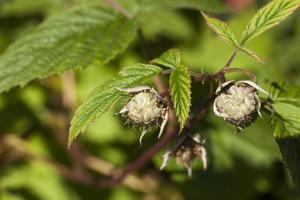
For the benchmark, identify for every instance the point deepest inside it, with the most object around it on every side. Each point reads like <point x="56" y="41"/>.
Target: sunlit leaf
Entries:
<point x="180" y="83"/>
<point x="288" y="122"/>
<point x="281" y="93"/>
<point x="170" y="59"/>
<point x="221" y="29"/>
<point x="269" y="16"/>
<point x="85" y="35"/>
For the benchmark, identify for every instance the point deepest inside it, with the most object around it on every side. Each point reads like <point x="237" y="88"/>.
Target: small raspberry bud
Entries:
<point x="238" y="103"/>
<point x="186" y="151"/>
<point x="145" y="108"/>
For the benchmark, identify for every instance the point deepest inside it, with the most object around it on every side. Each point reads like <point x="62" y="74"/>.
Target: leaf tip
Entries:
<point x="70" y="140"/>
<point x="203" y="14"/>
<point x="181" y="127"/>
<point x="73" y="133"/>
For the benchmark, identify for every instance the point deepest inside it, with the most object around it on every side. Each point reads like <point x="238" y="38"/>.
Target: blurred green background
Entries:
<point x="34" y="119"/>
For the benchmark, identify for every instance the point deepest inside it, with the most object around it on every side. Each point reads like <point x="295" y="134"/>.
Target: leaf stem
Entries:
<point x="244" y="71"/>
<point x="116" y="6"/>
<point x="232" y="57"/>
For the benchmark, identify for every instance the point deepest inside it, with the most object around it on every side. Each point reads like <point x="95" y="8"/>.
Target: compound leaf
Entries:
<point x="269" y="16"/>
<point x="84" y="35"/>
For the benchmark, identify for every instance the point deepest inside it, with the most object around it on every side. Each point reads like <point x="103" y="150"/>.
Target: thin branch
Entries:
<point x="244" y="71"/>
<point x="232" y="57"/>
<point x="131" y="181"/>
<point x="202" y="77"/>
<point x="116" y="6"/>
<point x="146" y="157"/>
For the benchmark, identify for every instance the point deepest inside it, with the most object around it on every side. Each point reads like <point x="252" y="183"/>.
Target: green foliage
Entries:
<point x="222" y="29"/>
<point x="290" y="148"/>
<point x="269" y="16"/>
<point x="286" y="94"/>
<point x="106" y="95"/>
<point x="170" y="59"/>
<point x="85" y="35"/>
<point x="252" y="54"/>
<point x="154" y="5"/>
<point x="179" y="27"/>
<point x="286" y="121"/>
<point x="265" y="18"/>
<point x="180" y="84"/>
<point x="39" y="110"/>
<point x="17" y="7"/>
<point x="26" y="177"/>
<point x="286" y="124"/>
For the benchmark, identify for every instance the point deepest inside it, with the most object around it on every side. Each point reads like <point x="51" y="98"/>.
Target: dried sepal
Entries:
<point x="185" y="151"/>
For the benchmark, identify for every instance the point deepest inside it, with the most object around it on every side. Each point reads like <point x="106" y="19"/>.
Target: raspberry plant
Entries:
<point x="97" y="32"/>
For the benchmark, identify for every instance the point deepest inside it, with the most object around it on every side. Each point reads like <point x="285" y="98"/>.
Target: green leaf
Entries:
<point x="155" y="5"/>
<point x="180" y="83"/>
<point x="85" y="35"/>
<point x="286" y="124"/>
<point x="287" y="134"/>
<point x="282" y="93"/>
<point x="252" y="54"/>
<point x="269" y="16"/>
<point x="170" y="59"/>
<point x="288" y="140"/>
<point x="106" y="95"/>
<point x="286" y="120"/>
<point x="290" y="148"/>
<point x="288" y="100"/>
<point x="221" y="29"/>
